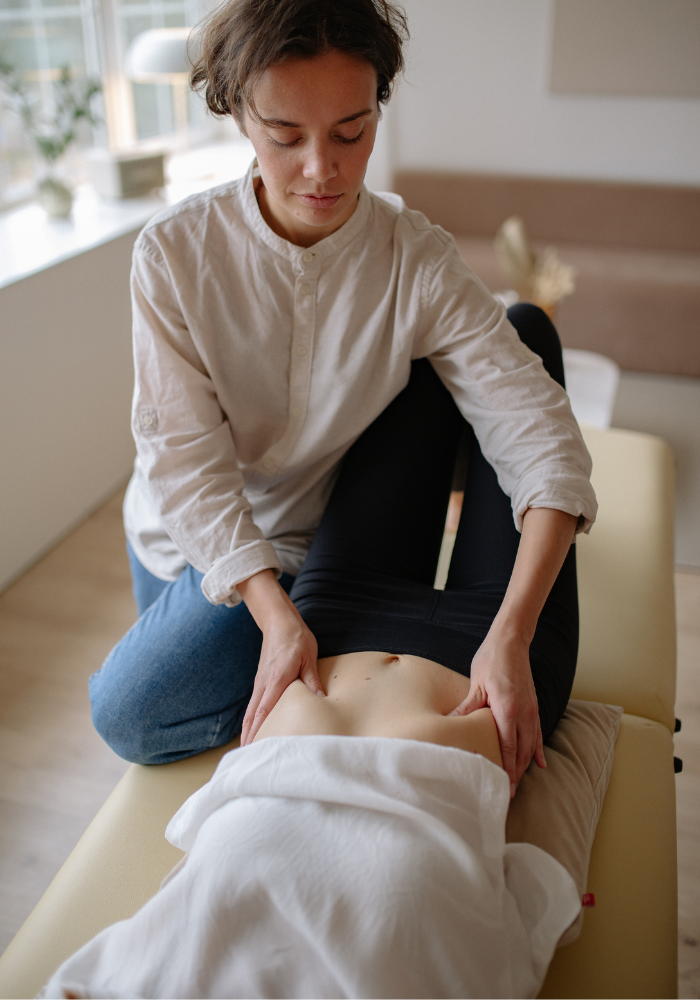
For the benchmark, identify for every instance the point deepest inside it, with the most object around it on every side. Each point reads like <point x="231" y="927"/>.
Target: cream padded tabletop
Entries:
<point x="629" y="940"/>
<point x="627" y="654"/>
<point x="628" y="945"/>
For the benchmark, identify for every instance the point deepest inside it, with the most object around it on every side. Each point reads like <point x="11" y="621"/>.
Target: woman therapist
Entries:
<point x="274" y="319"/>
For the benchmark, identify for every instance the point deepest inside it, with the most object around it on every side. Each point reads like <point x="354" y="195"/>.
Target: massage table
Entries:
<point x="628" y="944"/>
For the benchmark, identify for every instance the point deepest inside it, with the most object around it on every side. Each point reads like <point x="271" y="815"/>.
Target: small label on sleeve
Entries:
<point x="148" y="421"/>
<point x="588" y="899"/>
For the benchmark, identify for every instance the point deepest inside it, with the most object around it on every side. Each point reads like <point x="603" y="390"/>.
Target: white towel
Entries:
<point x="331" y="866"/>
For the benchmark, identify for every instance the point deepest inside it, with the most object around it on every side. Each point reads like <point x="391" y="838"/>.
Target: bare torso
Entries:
<point x="383" y="694"/>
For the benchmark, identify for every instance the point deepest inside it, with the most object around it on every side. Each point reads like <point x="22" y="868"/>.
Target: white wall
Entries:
<point x="380" y="169"/>
<point x="475" y="98"/>
<point x="65" y="390"/>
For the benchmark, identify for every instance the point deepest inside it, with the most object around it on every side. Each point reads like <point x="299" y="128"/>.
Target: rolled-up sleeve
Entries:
<point x="185" y="443"/>
<point x="522" y="418"/>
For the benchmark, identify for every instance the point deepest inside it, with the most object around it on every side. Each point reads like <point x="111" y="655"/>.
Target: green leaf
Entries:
<point x="52" y="135"/>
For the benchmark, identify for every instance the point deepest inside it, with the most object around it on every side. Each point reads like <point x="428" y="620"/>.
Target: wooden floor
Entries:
<point x="59" y="621"/>
<point x="57" y="624"/>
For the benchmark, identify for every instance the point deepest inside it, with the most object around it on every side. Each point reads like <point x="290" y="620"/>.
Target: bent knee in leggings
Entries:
<point x="537" y="332"/>
<point x="553" y="670"/>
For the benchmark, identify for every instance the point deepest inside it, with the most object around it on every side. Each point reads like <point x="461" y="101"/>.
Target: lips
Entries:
<point x="319" y="201"/>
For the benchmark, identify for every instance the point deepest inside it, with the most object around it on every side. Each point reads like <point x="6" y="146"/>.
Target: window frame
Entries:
<point x="104" y="51"/>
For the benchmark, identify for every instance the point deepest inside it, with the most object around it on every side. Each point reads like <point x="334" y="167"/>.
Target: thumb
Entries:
<point x="309" y="675"/>
<point x="475" y="699"/>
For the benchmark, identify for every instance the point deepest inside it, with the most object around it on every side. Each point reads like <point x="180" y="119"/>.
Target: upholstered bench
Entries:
<point x="635" y="248"/>
<point x="628" y="945"/>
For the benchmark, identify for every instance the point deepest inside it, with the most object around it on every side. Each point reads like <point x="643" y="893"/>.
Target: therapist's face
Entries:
<point x="316" y="128"/>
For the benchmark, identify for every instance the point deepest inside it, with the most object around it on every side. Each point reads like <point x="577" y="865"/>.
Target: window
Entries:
<point x="38" y="37"/>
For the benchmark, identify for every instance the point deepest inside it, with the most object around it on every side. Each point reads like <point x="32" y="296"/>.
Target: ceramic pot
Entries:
<point x="55" y="198"/>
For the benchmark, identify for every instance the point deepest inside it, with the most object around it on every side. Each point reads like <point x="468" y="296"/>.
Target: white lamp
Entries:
<point x="160" y="56"/>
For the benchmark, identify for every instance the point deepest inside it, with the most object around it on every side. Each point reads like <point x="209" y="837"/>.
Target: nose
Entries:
<point x="319" y="162"/>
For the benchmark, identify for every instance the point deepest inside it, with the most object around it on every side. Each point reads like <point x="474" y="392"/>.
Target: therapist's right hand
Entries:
<point x="289" y="649"/>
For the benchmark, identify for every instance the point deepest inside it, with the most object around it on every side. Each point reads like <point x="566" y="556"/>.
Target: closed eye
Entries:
<point x="284" y="145"/>
<point x="349" y="142"/>
<point x="295" y="142"/>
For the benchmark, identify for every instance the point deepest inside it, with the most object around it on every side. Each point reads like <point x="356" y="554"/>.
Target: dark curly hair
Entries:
<point x="243" y="38"/>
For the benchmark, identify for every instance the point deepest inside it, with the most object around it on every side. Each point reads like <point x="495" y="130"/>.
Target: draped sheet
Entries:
<point x="331" y="866"/>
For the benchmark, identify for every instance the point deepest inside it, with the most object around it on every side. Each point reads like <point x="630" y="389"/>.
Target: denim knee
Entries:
<point x="179" y="681"/>
<point x="121" y="720"/>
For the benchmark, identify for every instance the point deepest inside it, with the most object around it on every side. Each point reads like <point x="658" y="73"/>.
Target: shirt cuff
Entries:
<point x="580" y="502"/>
<point x="219" y="583"/>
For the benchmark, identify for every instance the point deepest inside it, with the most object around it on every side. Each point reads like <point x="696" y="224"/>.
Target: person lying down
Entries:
<point x="356" y="848"/>
<point x="355" y="845"/>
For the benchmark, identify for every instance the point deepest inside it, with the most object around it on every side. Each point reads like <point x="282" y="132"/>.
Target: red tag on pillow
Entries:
<point x="588" y="899"/>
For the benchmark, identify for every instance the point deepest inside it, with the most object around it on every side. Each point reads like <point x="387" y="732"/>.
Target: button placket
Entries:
<point x="302" y="355"/>
<point x="304" y="311"/>
<point x="304" y="304"/>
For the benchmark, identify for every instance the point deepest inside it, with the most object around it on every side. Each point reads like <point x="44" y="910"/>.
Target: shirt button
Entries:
<point x="268" y="463"/>
<point x="305" y="289"/>
<point x="296" y="411"/>
<point x="307" y="257"/>
<point x="301" y="351"/>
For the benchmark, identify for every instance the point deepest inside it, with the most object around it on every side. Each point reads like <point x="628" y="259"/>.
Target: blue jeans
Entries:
<point x="180" y="680"/>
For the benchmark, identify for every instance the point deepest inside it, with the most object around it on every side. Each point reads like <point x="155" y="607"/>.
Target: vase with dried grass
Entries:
<point x="539" y="278"/>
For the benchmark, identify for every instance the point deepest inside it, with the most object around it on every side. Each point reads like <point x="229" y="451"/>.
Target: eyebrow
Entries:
<point x="281" y="123"/>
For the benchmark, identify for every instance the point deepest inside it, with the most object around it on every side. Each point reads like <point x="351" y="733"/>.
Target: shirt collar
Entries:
<point x="332" y="244"/>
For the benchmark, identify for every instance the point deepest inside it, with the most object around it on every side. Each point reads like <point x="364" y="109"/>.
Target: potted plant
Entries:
<point x="52" y="132"/>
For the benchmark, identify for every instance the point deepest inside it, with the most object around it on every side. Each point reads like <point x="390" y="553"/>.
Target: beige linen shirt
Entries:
<point x="258" y="363"/>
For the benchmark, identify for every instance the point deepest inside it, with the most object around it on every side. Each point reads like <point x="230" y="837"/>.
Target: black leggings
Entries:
<point x="367" y="582"/>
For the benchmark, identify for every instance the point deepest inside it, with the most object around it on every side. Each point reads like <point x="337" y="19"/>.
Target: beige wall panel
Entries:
<point x="644" y="216"/>
<point x="618" y="47"/>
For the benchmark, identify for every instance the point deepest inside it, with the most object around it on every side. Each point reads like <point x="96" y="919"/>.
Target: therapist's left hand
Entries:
<point x="501" y="679"/>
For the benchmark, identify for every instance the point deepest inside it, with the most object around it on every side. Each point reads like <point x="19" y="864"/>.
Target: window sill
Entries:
<point x="31" y="242"/>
